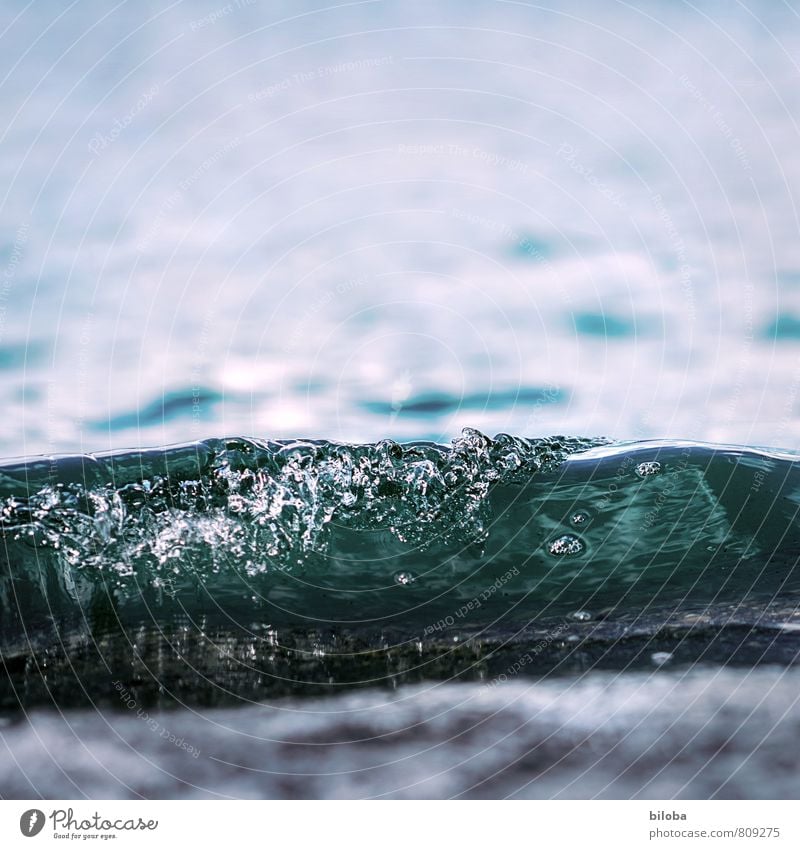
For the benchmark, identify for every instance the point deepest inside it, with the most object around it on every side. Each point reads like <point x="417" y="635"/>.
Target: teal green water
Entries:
<point x="419" y="539"/>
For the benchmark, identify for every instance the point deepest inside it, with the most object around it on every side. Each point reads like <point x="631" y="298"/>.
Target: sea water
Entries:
<point x="333" y="256"/>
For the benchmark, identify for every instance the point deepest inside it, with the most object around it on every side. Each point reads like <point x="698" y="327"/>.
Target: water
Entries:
<point x="410" y="621"/>
<point x="399" y="535"/>
<point x="645" y="735"/>
<point x="268" y="552"/>
<point x="148" y="594"/>
<point x="570" y="219"/>
<point x="360" y="238"/>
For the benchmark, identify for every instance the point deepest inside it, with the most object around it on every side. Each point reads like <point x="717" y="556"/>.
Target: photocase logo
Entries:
<point x="31" y="822"/>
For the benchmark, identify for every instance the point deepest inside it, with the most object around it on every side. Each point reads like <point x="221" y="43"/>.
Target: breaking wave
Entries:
<point x="412" y="535"/>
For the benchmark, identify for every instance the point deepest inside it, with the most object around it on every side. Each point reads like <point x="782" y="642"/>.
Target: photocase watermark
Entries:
<point x="678" y="245"/>
<point x="623" y="474"/>
<point x="31" y="822"/>
<point x="152" y="723"/>
<point x="741" y="384"/>
<point x="788" y="415"/>
<point x="721" y="124"/>
<point x="473" y="604"/>
<point x="550" y="394"/>
<point x="302" y="77"/>
<point x="477" y="154"/>
<point x="570" y="154"/>
<point x="101" y="141"/>
<point x="525" y="244"/>
<point x="676" y="468"/>
<point x="52" y="424"/>
<point x="299" y="335"/>
<point x="198" y="363"/>
<point x="218" y="14"/>
<point x="82" y="370"/>
<point x="10" y="272"/>
<point x="95" y="826"/>
<point x="529" y="657"/>
<point x="183" y="186"/>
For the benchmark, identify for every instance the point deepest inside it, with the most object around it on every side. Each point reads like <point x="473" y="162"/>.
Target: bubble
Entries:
<point x="580" y="518"/>
<point x="404" y="578"/>
<point x="659" y="658"/>
<point x="566" y="545"/>
<point x="646" y="470"/>
<point x="580" y="615"/>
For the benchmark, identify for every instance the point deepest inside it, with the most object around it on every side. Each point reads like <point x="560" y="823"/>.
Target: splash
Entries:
<point x="411" y="534"/>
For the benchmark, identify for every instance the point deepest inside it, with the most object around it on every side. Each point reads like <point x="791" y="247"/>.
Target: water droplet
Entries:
<point x="580" y="518"/>
<point x="566" y="545"/>
<point x="645" y="470"/>
<point x="659" y="658"/>
<point x="403" y="578"/>
<point x="580" y="615"/>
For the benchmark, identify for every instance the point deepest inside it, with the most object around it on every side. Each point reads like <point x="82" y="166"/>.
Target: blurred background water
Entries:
<point x="384" y="219"/>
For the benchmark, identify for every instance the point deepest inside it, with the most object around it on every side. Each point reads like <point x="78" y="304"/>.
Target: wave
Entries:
<point x="418" y="535"/>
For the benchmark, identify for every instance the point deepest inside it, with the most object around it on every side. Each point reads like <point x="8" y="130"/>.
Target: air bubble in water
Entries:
<point x="659" y="658"/>
<point x="403" y="578"/>
<point x="566" y="545"/>
<point x="580" y="615"/>
<point x="646" y="470"/>
<point x="580" y="518"/>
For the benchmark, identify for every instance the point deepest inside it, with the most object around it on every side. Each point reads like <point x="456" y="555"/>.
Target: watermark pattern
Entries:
<point x="679" y="247"/>
<point x="550" y="394"/>
<point x="743" y="362"/>
<point x="152" y="723"/>
<point x="218" y="14"/>
<point x="674" y="472"/>
<point x="82" y="370"/>
<point x="101" y="141"/>
<point x="299" y="335"/>
<point x="10" y="272"/>
<point x="477" y="154"/>
<point x="528" y="658"/>
<point x="183" y="186"/>
<point x="788" y="416"/>
<point x="721" y="124"/>
<point x="569" y="154"/>
<point x="624" y="471"/>
<point x="303" y="77"/>
<point x="473" y="604"/>
<point x="198" y="362"/>
<point x="524" y="243"/>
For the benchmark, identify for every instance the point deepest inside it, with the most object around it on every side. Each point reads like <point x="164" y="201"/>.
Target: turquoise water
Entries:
<point x="500" y="617"/>
<point x="410" y="534"/>
<point x="418" y="543"/>
<point x="362" y="239"/>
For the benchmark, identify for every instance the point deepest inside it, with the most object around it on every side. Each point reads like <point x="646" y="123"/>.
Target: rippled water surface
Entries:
<point x="499" y="617"/>
<point x="412" y="546"/>
<point x="396" y="220"/>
